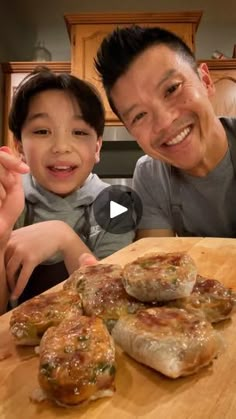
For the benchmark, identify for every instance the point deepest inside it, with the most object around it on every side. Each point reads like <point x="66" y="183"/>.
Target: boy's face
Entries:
<point x="58" y="145"/>
<point x="166" y="107"/>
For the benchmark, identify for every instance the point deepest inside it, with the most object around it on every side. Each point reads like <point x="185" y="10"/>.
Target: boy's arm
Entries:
<point x="11" y="205"/>
<point x="29" y="246"/>
<point x="4" y="294"/>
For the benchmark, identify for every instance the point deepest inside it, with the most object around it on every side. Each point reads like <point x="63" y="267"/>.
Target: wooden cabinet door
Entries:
<point x="13" y="74"/>
<point x="88" y="30"/>
<point x="223" y="74"/>
<point x="11" y="81"/>
<point x="86" y="41"/>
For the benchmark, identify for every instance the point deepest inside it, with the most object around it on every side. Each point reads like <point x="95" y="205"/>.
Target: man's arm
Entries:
<point x="151" y="182"/>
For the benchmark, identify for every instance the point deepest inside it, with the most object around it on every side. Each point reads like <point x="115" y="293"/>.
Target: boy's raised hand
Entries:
<point x="11" y="191"/>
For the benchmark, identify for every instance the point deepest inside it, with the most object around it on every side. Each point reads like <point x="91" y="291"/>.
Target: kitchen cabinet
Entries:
<point x="223" y="74"/>
<point x="87" y="30"/>
<point x="13" y="74"/>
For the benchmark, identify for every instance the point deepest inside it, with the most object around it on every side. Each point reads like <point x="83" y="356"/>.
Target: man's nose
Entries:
<point x="163" y="116"/>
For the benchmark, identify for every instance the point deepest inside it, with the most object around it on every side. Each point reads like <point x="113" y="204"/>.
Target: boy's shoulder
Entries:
<point x="94" y="185"/>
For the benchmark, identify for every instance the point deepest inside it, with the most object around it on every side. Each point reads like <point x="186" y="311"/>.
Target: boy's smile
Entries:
<point x="62" y="169"/>
<point x="59" y="146"/>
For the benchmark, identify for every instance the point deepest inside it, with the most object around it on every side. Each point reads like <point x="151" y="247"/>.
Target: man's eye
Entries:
<point x="172" y="88"/>
<point x="79" y="132"/>
<point x="41" y="131"/>
<point x="138" y="117"/>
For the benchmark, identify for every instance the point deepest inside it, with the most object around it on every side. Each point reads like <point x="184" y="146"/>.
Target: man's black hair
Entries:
<point x="120" y="48"/>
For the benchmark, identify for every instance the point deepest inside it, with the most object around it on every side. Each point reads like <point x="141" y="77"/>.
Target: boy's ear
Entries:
<point x="206" y="79"/>
<point x="19" y="149"/>
<point x="98" y="148"/>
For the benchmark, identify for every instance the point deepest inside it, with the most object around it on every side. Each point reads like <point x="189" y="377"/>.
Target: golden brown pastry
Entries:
<point x="211" y="298"/>
<point x="92" y="273"/>
<point x="170" y="340"/>
<point x="32" y="318"/>
<point x="77" y="361"/>
<point x="102" y="292"/>
<point x="160" y="276"/>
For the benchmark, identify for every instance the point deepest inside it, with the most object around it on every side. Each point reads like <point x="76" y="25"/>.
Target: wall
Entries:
<point x="25" y="22"/>
<point x="210" y="36"/>
<point x="32" y="21"/>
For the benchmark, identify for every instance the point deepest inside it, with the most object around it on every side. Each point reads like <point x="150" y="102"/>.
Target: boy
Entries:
<point x="57" y="122"/>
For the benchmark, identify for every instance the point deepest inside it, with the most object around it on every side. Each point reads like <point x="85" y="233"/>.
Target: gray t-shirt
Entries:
<point x="207" y="204"/>
<point x="76" y="210"/>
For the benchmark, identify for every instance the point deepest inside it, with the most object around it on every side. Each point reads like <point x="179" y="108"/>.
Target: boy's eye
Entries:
<point x="41" y="131"/>
<point x="172" y="88"/>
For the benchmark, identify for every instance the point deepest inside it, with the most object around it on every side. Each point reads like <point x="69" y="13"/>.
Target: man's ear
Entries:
<point x="19" y="148"/>
<point x="206" y="79"/>
<point x="98" y="148"/>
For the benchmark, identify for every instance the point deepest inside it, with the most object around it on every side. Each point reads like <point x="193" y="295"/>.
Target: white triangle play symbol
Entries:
<point x="116" y="209"/>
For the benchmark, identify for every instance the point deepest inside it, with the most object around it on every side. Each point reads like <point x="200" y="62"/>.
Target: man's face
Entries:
<point x="58" y="145"/>
<point x="165" y="106"/>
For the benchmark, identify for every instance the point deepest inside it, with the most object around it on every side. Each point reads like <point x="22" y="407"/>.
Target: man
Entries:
<point x="187" y="181"/>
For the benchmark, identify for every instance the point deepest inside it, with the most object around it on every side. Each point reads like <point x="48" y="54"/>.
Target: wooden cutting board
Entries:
<point x="140" y="391"/>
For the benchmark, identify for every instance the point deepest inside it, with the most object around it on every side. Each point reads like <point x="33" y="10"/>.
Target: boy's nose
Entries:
<point x="61" y="144"/>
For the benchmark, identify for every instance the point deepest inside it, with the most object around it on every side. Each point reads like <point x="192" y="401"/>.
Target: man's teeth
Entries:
<point x="180" y="137"/>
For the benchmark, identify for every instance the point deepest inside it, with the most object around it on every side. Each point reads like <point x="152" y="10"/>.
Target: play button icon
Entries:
<point x="118" y="209"/>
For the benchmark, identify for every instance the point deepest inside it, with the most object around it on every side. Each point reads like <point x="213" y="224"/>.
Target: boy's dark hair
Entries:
<point x="42" y="79"/>
<point x="120" y="48"/>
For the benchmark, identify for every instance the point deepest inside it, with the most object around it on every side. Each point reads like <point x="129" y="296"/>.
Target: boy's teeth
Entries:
<point x="61" y="168"/>
<point x="180" y="137"/>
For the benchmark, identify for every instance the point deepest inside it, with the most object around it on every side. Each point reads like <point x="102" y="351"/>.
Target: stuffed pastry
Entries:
<point x="160" y="276"/>
<point x="77" y="361"/>
<point x="32" y="318"/>
<point x="102" y="292"/>
<point x="170" y="340"/>
<point x="211" y="298"/>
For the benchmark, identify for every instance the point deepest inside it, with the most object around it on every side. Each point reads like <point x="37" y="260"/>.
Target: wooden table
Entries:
<point x="141" y="392"/>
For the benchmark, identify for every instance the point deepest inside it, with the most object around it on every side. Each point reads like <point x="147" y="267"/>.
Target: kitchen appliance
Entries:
<point x="119" y="155"/>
